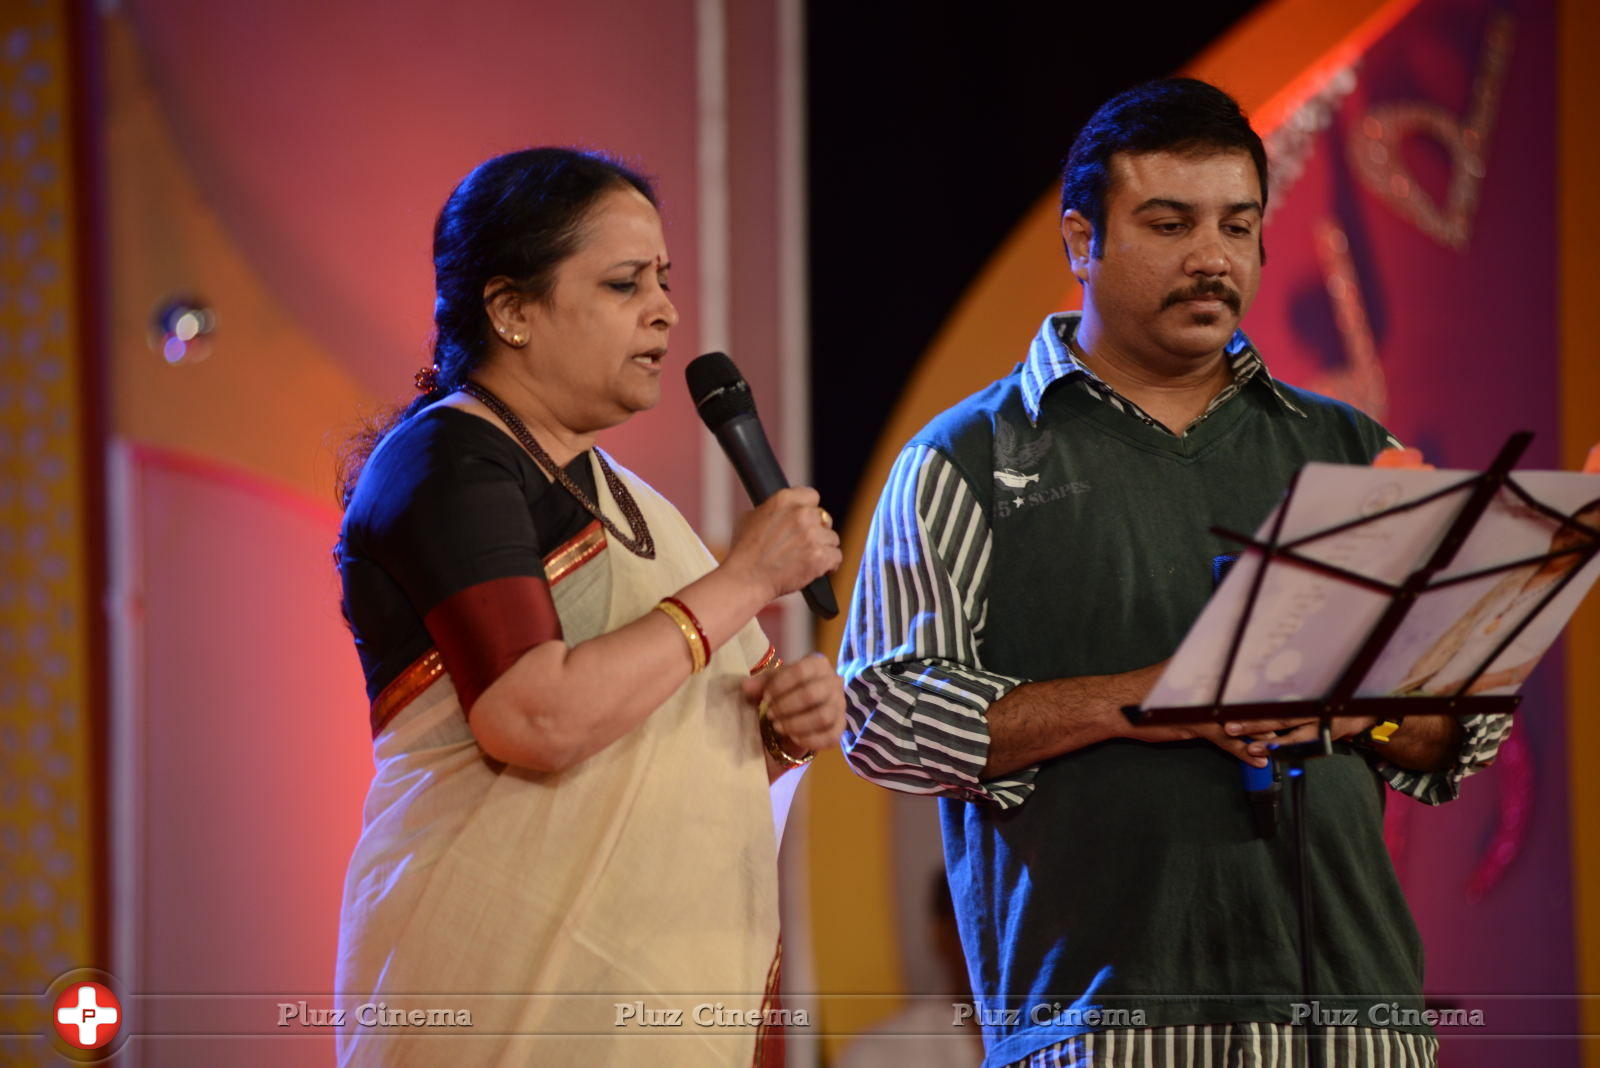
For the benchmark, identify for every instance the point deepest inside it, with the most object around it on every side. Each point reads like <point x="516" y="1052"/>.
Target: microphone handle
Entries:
<point x="745" y="442"/>
<point x="1261" y="786"/>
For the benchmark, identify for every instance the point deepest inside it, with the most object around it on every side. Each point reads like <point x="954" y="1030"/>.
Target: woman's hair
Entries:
<point x="515" y="216"/>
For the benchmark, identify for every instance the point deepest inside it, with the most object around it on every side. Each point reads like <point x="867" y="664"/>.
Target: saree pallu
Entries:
<point x="621" y="911"/>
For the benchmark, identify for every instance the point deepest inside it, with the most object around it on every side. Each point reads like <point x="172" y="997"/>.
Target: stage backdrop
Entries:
<point x="1413" y="271"/>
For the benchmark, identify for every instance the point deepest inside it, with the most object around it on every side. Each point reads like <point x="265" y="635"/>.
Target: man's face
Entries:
<point x="1182" y="255"/>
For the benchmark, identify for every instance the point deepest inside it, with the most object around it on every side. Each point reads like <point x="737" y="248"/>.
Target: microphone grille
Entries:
<point x="718" y="390"/>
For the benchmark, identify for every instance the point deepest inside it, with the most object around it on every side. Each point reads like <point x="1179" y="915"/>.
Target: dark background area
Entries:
<point x="930" y="134"/>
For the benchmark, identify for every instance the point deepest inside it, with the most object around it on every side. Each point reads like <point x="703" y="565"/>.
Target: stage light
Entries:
<point x="182" y="329"/>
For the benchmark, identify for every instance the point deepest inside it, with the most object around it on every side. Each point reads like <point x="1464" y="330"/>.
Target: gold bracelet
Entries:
<point x="699" y="655"/>
<point x="774" y="744"/>
<point x="694" y="621"/>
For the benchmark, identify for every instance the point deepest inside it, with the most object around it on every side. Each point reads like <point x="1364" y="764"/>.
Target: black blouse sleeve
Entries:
<point x="443" y="511"/>
<point x="449" y="509"/>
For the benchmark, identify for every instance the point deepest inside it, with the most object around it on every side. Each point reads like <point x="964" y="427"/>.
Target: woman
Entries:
<point x="569" y="817"/>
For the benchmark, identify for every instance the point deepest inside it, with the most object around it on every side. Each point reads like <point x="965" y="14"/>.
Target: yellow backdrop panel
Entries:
<point x="48" y="790"/>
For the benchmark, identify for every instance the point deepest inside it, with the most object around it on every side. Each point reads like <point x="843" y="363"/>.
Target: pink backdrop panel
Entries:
<point x="1412" y="271"/>
<point x="327" y="136"/>
<point x="249" y="759"/>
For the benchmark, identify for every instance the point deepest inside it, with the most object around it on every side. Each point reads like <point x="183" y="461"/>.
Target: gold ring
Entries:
<point x="827" y="520"/>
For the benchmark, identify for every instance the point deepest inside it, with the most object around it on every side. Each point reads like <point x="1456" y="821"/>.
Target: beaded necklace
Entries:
<point x="640" y="543"/>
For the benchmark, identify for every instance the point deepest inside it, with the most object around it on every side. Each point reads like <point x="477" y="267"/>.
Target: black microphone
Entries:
<point x="725" y="403"/>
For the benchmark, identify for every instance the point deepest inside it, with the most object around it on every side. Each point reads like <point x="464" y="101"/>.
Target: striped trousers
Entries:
<point x="1239" y="1045"/>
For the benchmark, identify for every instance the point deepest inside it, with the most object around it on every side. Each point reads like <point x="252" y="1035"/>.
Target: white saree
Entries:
<point x="585" y="917"/>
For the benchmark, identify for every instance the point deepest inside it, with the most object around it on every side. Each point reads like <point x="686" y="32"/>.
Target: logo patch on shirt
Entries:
<point x="1013" y="460"/>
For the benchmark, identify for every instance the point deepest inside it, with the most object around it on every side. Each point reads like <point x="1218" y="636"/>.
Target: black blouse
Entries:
<point x="449" y="503"/>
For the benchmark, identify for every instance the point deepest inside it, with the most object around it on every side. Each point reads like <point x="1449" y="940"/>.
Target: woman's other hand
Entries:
<point x="785" y="543"/>
<point x="805" y="702"/>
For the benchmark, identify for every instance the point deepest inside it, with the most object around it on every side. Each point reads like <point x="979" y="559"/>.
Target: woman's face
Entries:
<point x="597" y="342"/>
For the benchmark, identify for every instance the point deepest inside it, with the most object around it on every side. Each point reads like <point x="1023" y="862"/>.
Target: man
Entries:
<point x="1037" y="551"/>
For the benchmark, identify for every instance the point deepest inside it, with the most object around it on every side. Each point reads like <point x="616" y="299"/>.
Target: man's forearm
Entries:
<point x="1040" y="720"/>
<point x="1424" y="743"/>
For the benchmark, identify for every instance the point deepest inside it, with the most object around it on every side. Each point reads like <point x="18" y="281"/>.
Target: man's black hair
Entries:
<point x="1182" y="115"/>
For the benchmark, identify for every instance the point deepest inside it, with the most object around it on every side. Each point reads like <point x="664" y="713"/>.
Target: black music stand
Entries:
<point x="1341" y="699"/>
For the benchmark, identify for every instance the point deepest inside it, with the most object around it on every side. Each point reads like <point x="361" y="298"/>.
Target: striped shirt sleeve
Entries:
<point x="915" y="686"/>
<point x="1481" y="740"/>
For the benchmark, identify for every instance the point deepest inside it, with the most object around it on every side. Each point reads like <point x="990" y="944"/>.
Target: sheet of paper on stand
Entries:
<point x="1307" y="625"/>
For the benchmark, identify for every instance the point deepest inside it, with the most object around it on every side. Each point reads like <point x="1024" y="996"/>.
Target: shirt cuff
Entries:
<point x="921" y="727"/>
<point x="1482" y="736"/>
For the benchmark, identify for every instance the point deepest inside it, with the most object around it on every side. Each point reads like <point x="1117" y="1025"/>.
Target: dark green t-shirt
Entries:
<point x="1133" y="877"/>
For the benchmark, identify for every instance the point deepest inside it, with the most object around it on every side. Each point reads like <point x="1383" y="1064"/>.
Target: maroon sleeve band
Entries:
<point x="483" y="629"/>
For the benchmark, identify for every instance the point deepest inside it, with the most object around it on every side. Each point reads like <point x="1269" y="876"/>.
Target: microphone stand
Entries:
<point x="1341" y="699"/>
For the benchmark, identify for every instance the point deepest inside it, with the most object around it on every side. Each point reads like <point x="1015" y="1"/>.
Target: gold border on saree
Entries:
<point x="575" y="553"/>
<point x="406" y="687"/>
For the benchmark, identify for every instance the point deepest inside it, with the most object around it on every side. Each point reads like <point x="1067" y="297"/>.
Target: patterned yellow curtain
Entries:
<point x="50" y="715"/>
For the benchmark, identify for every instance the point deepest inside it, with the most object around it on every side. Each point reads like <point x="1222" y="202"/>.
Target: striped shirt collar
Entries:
<point x="1050" y="360"/>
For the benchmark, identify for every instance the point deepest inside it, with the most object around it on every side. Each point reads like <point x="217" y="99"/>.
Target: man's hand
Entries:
<point x="1423" y="743"/>
<point x="1269" y="734"/>
<point x="1040" y="720"/>
<point x="1249" y="746"/>
<point x="1296" y="731"/>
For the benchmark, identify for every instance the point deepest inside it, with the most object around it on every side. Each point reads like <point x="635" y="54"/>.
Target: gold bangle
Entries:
<point x="694" y="621"/>
<point x="698" y="654"/>
<point x="774" y="744"/>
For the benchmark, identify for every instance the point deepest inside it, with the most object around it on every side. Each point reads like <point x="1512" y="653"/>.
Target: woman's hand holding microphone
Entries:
<point x="780" y="546"/>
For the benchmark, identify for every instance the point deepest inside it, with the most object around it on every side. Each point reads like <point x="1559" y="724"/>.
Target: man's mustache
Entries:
<point x="1201" y="291"/>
